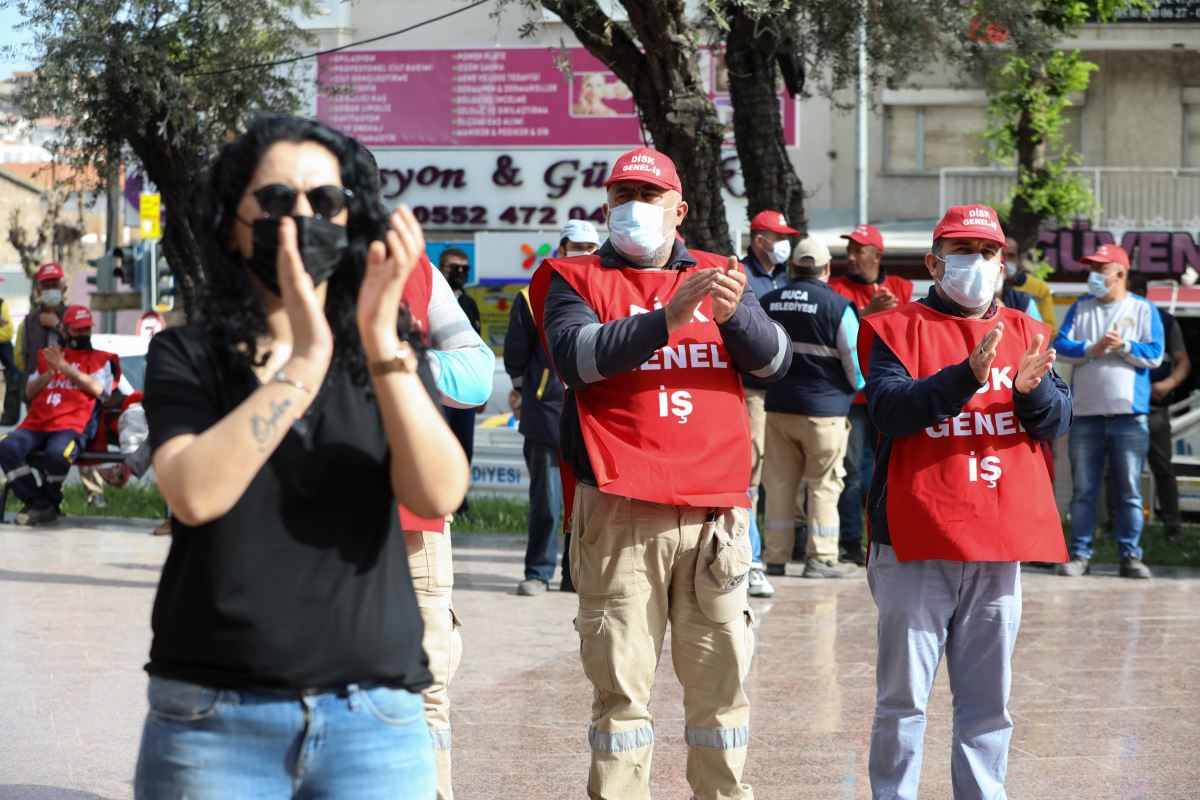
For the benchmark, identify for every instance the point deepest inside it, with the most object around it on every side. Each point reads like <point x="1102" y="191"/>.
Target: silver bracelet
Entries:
<point x="282" y="377"/>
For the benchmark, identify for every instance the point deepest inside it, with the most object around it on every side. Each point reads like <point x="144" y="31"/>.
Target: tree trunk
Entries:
<point x="175" y="181"/>
<point x="770" y="179"/>
<point x="1024" y="222"/>
<point x="661" y="71"/>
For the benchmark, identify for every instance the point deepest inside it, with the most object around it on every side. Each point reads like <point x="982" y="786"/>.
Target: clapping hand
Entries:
<point x="1034" y="366"/>
<point x="983" y="355"/>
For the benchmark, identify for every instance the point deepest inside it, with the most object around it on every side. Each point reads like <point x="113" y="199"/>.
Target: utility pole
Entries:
<point x="112" y="235"/>
<point x="863" y="109"/>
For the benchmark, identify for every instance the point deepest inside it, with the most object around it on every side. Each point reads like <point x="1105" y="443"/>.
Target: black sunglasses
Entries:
<point x="278" y="199"/>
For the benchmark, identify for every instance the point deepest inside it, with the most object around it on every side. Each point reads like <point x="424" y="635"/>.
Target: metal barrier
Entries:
<point x="1159" y="198"/>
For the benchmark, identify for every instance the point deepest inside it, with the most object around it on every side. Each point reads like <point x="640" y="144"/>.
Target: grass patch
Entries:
<point x="137" y="500"/>
<point x="490" y="514"/>
<point x="1159" y="550"/>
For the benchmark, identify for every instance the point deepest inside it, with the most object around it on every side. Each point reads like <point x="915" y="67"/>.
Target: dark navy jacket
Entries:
<point x="526" y="362"/>
<point x="585" y="351"/>
<point x="823" y="327"/>
<point x="762" y="279"/>
<point x="901" y="406"/>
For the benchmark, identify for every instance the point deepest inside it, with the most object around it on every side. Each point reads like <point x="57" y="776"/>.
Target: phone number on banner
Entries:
<point x="524" y="216"/>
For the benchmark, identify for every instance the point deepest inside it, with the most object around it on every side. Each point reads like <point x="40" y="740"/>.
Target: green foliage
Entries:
<point x="1030" y="82"/>
<point x="168" y="80"/>
<point x="160" y="72"/>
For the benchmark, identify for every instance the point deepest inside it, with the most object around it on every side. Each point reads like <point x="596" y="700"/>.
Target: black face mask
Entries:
<point x="457" y="279"/>
<point x="322" y="246"/>
<point x="77" y="342"/>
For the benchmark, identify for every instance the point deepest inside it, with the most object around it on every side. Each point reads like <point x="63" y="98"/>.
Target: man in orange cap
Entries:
<point x="962" y="392"/>
<point x="872" y="290"/>
<point x="651" y="340"/>
<point x="63" y="393"/>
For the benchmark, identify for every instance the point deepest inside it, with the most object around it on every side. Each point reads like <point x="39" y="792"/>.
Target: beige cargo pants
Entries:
<point x="800" y="447"/>
<point x="433" y="577"/>
<point x="637" y="565"/>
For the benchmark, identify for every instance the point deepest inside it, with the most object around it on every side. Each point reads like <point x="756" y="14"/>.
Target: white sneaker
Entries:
<point x="759" y="585"/>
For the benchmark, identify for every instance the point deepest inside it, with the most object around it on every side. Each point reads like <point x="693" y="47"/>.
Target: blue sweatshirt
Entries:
<point x="901" y="406"/>
<point x="585" y="351"/>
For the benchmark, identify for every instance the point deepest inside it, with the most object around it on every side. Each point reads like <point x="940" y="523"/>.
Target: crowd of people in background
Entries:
<point x="320" y="409"/>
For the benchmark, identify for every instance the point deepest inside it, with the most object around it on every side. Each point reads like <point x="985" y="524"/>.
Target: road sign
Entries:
<point x="150" y="323"/>
<point x="151" y="212"/>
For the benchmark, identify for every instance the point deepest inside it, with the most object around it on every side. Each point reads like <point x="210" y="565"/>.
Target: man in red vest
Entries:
<point x="962" y="392"/>
<point x="63" y="391"/>
<point x="651" y="340"/>
<point x="868" y="285"/>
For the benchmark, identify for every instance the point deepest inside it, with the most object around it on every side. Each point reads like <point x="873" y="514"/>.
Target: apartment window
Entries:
<point x="927" y="138"/>
<point x="1191" y="135"/>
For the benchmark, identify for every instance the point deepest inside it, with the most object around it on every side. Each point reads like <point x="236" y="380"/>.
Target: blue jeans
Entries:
<point x="859" y="464"/>
<point x="545" y="510"/>
<point x="212" y="744"/>
<point x="1123" y="440"/>
<point x="755" y="536"/>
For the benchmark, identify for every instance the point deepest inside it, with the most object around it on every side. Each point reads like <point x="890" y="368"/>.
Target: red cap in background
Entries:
<point x="77" y="317"/>
<point x="772" y="221"/>
<point x="866" y="234"/>
<point x="1108" y="254"/>
<point x="49" y="272"/>
<point x="970" y="222"/>
<point x="646" y="165"/>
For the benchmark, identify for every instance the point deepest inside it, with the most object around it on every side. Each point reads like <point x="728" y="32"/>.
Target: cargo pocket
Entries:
<point x="722" y="564"/>
<point x="593" y="649"/>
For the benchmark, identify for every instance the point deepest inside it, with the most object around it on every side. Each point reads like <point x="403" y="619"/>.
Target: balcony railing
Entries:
<point x="1148" y="198"/>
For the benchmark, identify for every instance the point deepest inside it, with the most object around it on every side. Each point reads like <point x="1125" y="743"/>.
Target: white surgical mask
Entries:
<point x="781" y="251"/>
<point x="1010" y="269"/>
<point x="636" y="229"/>
<point x="1097" y="284"/>
<point x="52" y="297"/>
<point x="970" y="280"/>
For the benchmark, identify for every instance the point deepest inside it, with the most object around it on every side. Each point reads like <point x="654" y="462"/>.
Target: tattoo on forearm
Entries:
<point x="263" y="428"/>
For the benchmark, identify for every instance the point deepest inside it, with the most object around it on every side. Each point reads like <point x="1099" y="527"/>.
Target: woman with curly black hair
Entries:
<point x="286" y="424"/>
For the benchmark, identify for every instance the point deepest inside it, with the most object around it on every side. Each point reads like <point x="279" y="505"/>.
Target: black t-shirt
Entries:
<point x="304" y="583"/>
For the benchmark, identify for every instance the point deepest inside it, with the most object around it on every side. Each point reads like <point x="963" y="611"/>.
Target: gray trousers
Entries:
<point x="970" y="611"/>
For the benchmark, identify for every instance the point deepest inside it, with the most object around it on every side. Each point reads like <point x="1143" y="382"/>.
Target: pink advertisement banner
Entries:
<point x="515" y="97"/>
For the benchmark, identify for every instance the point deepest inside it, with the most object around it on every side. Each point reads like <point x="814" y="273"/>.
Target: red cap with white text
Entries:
<point x="648" y="166"/>
<point x="866" y="234"/>
<point x="772" y="221"/>
<point x="77" y="317"/>
<point x="1108" y="254"/>
<point x="49" y="272"/>
<point x="970" y="222"/>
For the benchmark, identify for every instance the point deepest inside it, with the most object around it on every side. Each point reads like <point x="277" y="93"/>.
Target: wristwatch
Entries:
<point x="404" y="361"/>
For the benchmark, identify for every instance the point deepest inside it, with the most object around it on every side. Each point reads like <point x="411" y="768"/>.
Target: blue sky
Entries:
<point x="8" y="36"/>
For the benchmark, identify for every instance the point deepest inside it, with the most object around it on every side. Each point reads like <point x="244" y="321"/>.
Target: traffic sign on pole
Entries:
<point x="151" y="212"/>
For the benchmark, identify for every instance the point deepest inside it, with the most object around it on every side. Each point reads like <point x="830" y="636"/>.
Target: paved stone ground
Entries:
<point x="1106" y="696"/>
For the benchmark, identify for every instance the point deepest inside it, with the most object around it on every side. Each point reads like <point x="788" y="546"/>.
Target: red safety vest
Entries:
<point x="675" y="430"/>
<point x="861" y="293"/>
<point x="973" y="487"/>
<point x="417" y="294"/>
<point x="62" y="405"/>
